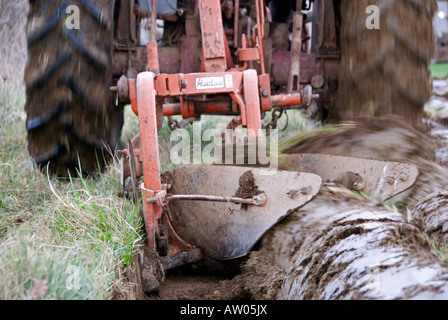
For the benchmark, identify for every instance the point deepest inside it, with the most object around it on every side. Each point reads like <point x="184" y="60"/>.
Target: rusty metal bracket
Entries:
<point x="296" y="52"/>
<point x="133" y="172"/>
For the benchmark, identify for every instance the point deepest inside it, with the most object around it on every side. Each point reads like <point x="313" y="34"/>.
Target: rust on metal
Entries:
<point x="133" y="95"/>
<point x="296" y="52"/>
<point x="133" y="173"/>
<point x="264" y="81"/>
<point x="282" y="100"/>
<point x="146" y="101"/>
<point x="249" y="54"/>
<point x="153" y="57"/>
<point x="236" y="24"/>
<point x="252" y="103"/>
<point x="154" y="21"/>
<point x="259" y="5"/>
<point x="213" y="43"/>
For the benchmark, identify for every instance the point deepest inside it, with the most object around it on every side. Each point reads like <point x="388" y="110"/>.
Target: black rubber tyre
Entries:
<point x="384" y="71"/>
<point x="72" y="120"/>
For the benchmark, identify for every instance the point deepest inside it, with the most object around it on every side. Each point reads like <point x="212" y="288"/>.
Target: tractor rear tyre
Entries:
<point x="384" y="72"/>
<point x="73" y="124"/>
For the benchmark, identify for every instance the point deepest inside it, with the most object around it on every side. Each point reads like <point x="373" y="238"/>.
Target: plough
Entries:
<point x="221" y="212"/>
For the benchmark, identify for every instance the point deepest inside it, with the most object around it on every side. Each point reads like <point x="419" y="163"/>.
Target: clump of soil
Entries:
<point x="167" y="178"/>
<point x="248" y="189"/>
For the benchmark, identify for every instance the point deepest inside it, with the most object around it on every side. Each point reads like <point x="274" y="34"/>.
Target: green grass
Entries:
<point x="441" y="250"/>
<point x="74" y="238"/>
<point x="439" y="70"/>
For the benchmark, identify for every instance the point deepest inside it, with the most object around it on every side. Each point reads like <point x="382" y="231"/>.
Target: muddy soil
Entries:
<point x="185" y="283"/>
<point x="341" y="247"/>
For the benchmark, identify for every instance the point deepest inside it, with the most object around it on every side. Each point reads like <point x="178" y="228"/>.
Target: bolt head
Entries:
<point x="390" y="180"/>
<point x="306" y="190"/>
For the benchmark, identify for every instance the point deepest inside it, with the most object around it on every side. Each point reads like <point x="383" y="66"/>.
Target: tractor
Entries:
<point x="335" y="59"/>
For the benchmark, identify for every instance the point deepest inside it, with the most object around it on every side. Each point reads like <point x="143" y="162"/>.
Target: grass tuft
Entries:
<point x="439" y="70"/>
<point x="74" y="238"/>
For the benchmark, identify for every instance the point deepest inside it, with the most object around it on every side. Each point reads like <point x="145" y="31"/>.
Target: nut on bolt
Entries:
<point x="390" y="180"/>
<point x="306" y="190"/>
<point x="122" y="89"/>
<point x="261" y="200"/>
<point x="293" y="194"/>
<point x="159" y="199"/>
<point x="308" y="97"/>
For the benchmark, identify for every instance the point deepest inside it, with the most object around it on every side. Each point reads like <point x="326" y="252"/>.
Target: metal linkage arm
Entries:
<point x="162" y="199"/>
